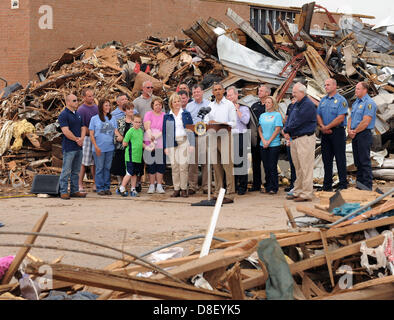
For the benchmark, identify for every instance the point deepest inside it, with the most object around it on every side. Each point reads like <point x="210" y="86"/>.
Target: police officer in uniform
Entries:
<point x="331" y="118"/>
<point x="258" y="109"/>
<point x="360" y="125"/>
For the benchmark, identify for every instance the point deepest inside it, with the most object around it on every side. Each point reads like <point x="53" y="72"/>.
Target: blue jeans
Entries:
<point x="72" y="161"/>
<point x="103" y="170"/>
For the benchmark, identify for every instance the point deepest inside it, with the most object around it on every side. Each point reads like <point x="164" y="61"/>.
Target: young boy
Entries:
<point x="133" y="141"/>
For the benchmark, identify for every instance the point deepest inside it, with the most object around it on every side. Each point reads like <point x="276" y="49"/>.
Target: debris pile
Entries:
<point x="29" y="134"/>
<point x="347" y="254"/>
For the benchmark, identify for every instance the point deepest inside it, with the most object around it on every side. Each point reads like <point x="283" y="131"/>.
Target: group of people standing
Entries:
<point x="140" y="134"/>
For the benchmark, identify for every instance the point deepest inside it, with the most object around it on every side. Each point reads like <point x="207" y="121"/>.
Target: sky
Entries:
<point x="381" y="9"/>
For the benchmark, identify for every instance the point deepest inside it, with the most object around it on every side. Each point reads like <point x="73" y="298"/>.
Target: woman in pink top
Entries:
<point x="153" y="139"/>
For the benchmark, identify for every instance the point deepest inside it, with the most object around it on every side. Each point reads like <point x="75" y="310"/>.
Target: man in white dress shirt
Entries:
<point x="222" y="111"/>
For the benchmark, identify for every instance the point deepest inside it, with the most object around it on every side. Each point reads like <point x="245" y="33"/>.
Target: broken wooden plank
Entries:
<point x="247" y="28"/>
<point x="327" y="254"/>
<point x="294" y="225"/>
<point x="385" y="207"/>
<point x="380" y="292"/>
<point x="116" y="267"/>
<point x="336" y="232"/>
<point x="235" y="284"/>
<point x="23" y="251"/>
<point x="380" y="59"/>
<point x="374" y="282"/>
<point x="137" y="285"/>
<point x="8" y="287"/>
<point x="317" y="213"/>
<point x="319" y="260"/>
<point x="289" y="35"/>
<point x="347" y="52"/>
<point x="319" y="69"/>
<point x="213" y="261"/>
<point x="227" y="244"/>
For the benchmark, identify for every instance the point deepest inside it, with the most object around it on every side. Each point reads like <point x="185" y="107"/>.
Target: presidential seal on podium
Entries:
<point x="200" y="128"/>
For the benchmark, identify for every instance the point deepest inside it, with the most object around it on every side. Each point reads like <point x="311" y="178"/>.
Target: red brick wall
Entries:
<point x="95" y="22"/>
<point x="14" y="42"/>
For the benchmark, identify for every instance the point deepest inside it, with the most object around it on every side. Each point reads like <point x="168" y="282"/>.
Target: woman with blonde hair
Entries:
<point x="270" y="125"/>
<point x="176" y="144"/>
<point x="153" y="139"/>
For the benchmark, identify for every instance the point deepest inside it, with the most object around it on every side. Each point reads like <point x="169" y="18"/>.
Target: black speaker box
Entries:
<point x="48" y="184"/>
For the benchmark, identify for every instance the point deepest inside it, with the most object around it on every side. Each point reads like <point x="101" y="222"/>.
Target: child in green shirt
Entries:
<point x="133" y="141"/>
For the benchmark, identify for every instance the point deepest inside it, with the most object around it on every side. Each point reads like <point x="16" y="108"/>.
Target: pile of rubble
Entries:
<point x="30" y="136"/>
<point x="345" y="254"/>
<point x="344" y="48"/>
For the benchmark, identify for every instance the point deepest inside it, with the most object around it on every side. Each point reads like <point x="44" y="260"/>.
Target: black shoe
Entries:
<point x="253" y="189"/>
<point x="241" y="192"/>
<point x="288" y="189"/>
<point x="227" y="200"/>
<point x="325" y="189"/>
<point x="138" y="188"/>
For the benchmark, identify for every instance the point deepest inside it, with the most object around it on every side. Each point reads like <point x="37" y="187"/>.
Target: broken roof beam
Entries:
<point x="214" y="260"/>
<point x="319" y="69"/>
<point x="289" y="35"/>
<point x="349" y="250"/>
<point x="306" y="17"/>
<point x="247" y="28"/>
<point x="380" y="59"/>
<point x="336" y="232"/>
<point x="124" y="283"/>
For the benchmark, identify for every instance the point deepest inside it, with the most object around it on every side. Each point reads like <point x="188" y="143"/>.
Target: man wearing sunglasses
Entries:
<point x="73" y="136"/>
<point x="143" y="102"/>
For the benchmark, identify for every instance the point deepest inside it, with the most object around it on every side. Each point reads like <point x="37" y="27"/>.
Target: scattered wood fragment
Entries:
<point x="23" y="251"/>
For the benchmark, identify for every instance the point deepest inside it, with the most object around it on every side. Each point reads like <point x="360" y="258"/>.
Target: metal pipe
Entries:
<point x="177" y="242"/>
<point x="145" y="263"/>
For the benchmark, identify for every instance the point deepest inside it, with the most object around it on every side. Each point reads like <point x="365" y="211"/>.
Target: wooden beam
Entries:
<point x="294" y="225"/>
<point x="288" y="34"/>
<point x="385" y="207"/>
<point x="335" y="255"/>
<point x="317" y="213"/>
<point x="23" y="251"/>
<point x="313" y="236"/>
<point x="223" y="245"/>
<point x="380" y="292"/>
<point x="213" y="261"/>
<point x="253" y="34"/>
<point x="234" y="282"/>
<point x="327" y="254"/>
<point x="161" y="264"/>
<point x="135" y="285"/>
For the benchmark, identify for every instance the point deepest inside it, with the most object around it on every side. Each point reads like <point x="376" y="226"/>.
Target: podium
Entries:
<point x="201" y="130"/>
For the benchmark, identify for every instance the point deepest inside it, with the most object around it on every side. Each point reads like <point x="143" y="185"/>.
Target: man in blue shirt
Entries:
<point x="300" y="127"/>
<point x="73" y="136"/>
<point x="360" y="125"/>
<point x="331" y="118"/>
<point x="119" y="112"/>
<point x="194" y="107"/>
